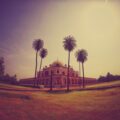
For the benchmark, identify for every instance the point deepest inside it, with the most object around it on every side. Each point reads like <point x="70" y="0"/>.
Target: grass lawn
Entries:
<point x="101" y="104"/>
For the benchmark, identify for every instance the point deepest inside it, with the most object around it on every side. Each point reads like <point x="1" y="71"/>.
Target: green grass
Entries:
<point x="104" y="84"/>
<point x="101" y="104"/>
<point x="2" y="85"/>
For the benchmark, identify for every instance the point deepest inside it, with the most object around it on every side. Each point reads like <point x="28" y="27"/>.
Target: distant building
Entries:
<point x="57" y="72"/>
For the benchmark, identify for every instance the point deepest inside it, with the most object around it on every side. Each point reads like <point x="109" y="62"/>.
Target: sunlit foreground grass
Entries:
<point x="76" y="105"/>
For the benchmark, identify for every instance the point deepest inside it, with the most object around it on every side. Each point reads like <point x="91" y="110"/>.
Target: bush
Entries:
<point x="109" y="77"/>
<point x="8" y="79"/>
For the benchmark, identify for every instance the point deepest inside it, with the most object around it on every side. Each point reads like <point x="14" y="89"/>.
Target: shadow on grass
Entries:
<point x="102" y="87"/>
<point x="21" y="90"/>
<point x="82" y="89"/>
<point x="61" y="91"/>
<point x="13" y="95"/>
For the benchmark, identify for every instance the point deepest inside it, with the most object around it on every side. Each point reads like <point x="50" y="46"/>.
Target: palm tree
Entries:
<point x="43" y="53"/>
<point x="69" y="44"/>
<point x="78" y="55"/>
<point x="37" y="45"/>
<point x="82" y="57"/>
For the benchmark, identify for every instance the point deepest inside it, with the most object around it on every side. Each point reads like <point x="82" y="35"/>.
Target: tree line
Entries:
<point x="69" y="44"/>
<point x="6" y="78"/>
<point x="108" y="77"/>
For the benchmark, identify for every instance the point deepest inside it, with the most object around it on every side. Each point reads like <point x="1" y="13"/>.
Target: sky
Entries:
<point x="93" y="23"/>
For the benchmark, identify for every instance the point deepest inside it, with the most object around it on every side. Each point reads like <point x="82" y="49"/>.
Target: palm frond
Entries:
<point x="38" y="44"/>
<point x="69" y="43"/>
<point x="43" y="53"/>
<point x="81" y="55"/>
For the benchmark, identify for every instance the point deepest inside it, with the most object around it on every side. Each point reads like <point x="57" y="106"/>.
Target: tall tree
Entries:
<point x="2" y="66"/>
<point x="69" y="44"/>
<point x="82" y="57"/>
<point x="78" y="57"/>
<point x="51" y="81"/>
<point x="43" y="53"/>
<point x="37" y="45"/>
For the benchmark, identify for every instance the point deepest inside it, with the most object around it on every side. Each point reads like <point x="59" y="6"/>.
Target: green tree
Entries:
<point x="37" y="45"/>
<point x="2" y="66"/>
<point x="69" y="44"/>
<point x="82" y="57"/>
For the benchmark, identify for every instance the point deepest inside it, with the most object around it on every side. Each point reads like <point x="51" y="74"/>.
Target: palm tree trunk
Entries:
<point x="39" y="71"/>
<point x="79" y="74"/>
<point x="35" y="68"/>
<point x="51" y="86"/>
<point x="83" y="75"/>
<point x="40" y="64"/>
<point x="79" y="68"/>
<point x="68" y="81"/>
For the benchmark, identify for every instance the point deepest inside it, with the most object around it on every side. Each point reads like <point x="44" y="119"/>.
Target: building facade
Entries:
<point x="56" y="74"/>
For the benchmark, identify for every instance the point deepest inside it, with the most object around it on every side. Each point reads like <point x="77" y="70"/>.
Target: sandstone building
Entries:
<point x="57" y="74"/>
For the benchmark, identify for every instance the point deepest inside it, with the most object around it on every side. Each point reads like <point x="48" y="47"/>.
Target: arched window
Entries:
<point x="65" y="80"/>
<point x="63" y="73"/>
<point x="58" y="81"/>
<point x="46" y="73"/>
<point x="73" y="74"/>
<point x="57" y="71"/>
